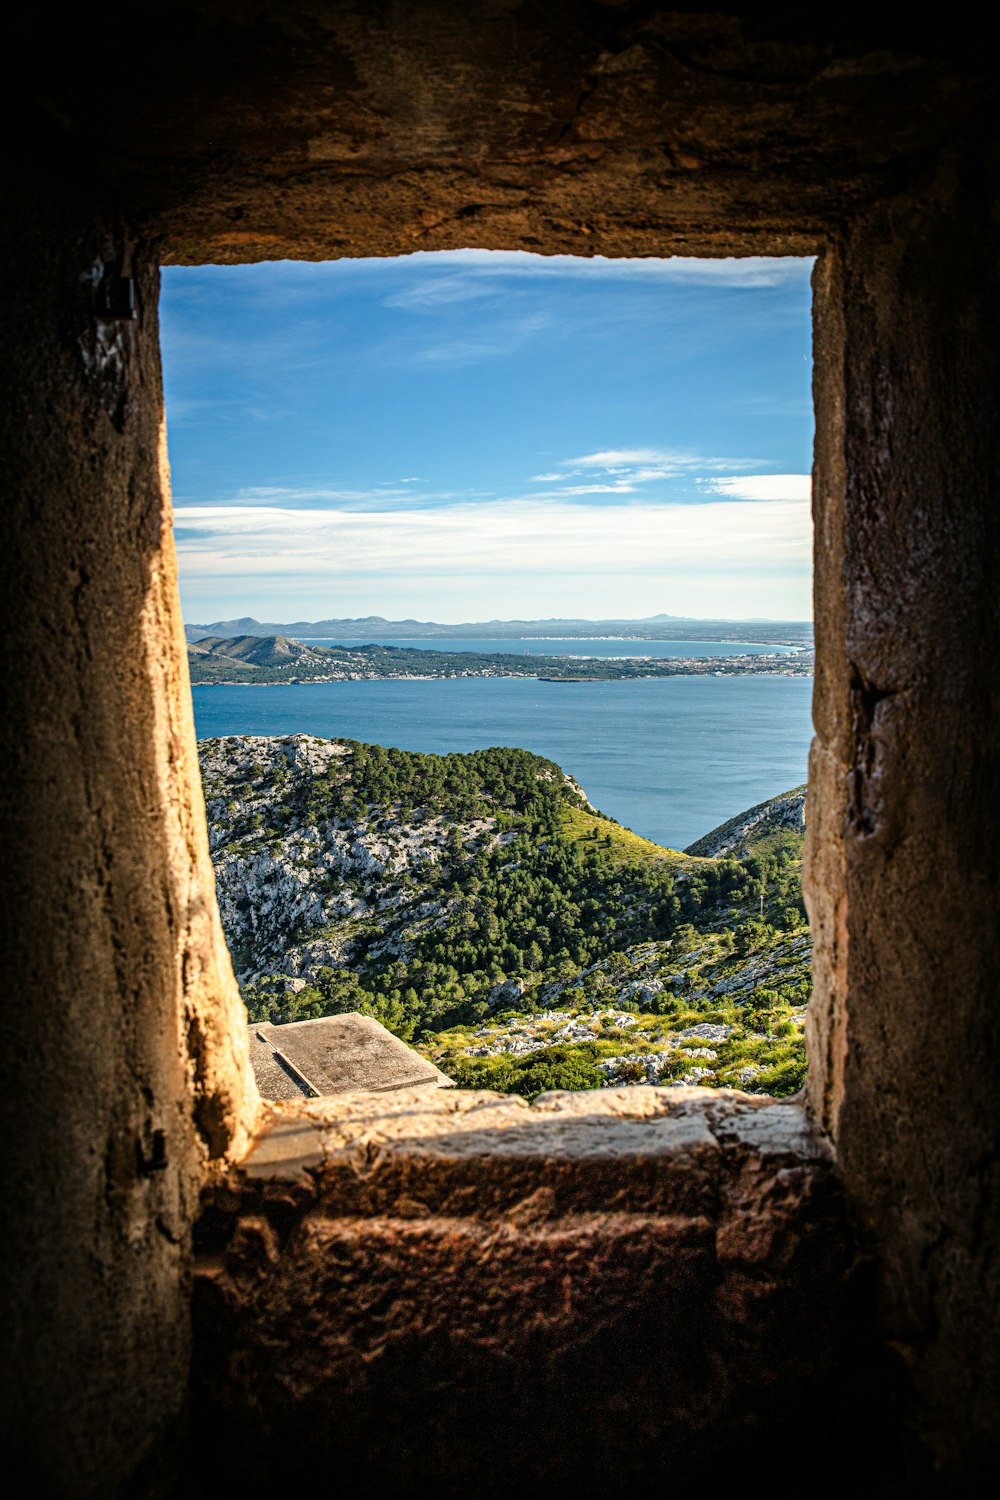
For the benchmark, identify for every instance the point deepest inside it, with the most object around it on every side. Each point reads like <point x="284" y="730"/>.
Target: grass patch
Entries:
<point x="625" y="847"/>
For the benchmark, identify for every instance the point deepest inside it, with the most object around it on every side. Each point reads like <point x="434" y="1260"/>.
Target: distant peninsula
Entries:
<point x="276" y="659"/>
<point x="372" y="628"/>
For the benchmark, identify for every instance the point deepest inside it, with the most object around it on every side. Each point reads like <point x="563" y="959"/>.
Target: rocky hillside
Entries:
<point x="715" y="1015"/>
<point x="253" y="658"/>
<point x="751" y="830"/>
<point x="479" y="906"/>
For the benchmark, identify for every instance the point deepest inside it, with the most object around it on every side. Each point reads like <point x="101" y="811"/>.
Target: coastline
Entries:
<point x="491" y="677"/>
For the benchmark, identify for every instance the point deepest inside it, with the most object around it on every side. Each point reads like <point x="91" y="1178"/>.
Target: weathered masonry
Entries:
<point x="438" y="1284"/>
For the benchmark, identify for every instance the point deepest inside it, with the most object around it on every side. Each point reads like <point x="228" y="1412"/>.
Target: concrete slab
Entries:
<point x="336" y="1055"/>
<point x="274" y="1080"/>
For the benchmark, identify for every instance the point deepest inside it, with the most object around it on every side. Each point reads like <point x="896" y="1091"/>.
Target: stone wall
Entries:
<point x="905" y="787"/>
<point x="602" y="1290"/>
<point x="123" y="1036"/>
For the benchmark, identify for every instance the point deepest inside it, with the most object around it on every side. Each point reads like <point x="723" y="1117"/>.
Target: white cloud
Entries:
<point x="382" y="495"/>
<point x="625" y="468"/>
<point x="438" y="291"/>
<point x="763" y="487"/>
<point x="287" y="494"/>
<point x="611" y="471"/>
<point x="610" y="487"/>
<point x="524" y="537"/>
<point x="610" y="458"/>
<point x="748" y="271"/>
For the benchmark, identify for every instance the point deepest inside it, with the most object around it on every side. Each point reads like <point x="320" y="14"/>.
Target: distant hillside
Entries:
<point x="253" y="648"/>
<point x="242" y="653"/>
<point x="480" y="906"/>
<point x="276" y="658"/>
<point x="650" y="628"/>
<point x="756" y="828"/>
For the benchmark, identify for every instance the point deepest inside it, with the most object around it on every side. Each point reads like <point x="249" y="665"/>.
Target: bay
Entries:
<point x="559" y="646"/>
<point x="670" y="758"/>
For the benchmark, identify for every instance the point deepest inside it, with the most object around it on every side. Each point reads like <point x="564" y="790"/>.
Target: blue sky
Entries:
<point x="476" y="434"/>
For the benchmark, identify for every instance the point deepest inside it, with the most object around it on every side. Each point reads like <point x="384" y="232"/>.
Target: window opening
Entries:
<point x="496" y="569"/>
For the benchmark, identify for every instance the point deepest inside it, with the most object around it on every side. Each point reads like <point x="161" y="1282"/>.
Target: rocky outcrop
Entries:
<point x="649" y="1046"/>
<point x="293" y="893"/>
<point x="785" y="813"/>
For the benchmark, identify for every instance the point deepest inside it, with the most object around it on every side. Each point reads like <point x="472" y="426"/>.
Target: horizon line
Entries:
<point x="526" y="620"/>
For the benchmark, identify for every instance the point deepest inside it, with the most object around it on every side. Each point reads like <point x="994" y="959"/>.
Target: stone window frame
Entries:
<point x="851" y="136"/>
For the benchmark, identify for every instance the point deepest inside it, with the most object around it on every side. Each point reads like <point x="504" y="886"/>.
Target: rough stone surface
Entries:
<point x="124" y="1053"/>
<point x="342" y="127"/>
<point x="594" y="1289"/>
<point x="903" y="868"/>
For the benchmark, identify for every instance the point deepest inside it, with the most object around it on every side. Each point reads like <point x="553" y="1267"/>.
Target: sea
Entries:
<point x="671" y="758"/>
<point x="542" y="645"/>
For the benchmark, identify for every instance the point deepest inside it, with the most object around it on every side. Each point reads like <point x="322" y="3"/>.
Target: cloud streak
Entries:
<point x="389" y="495"/>
<point x="795" y="487"/>
<point x="495" y="342"/>
<point x="516" y="536"/>
<point x="621" y="470"/>
<point x="465" y="267"/>
<point x="612" y="472"/>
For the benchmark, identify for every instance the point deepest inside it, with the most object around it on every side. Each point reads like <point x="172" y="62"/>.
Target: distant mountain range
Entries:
<point x="649" y="628"/>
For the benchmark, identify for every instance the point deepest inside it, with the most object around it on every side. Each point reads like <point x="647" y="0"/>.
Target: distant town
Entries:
<point x="277" y="659"/>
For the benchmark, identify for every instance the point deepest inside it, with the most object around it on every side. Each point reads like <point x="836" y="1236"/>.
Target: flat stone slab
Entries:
<point x="336" y="1055"/>
<point x="629" y="1145"/>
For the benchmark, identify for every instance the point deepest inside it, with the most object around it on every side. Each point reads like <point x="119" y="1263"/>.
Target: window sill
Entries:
<point x="413" y="1269"/>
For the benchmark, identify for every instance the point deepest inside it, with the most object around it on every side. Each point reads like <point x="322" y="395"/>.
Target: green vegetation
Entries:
<point x="625" y="848"/>
<point x="480" y="908"/>
<point x="556" y="1067"/>
<point x="631" y="1032"/>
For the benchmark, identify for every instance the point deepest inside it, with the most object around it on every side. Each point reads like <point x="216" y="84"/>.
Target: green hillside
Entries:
<point x="478" y="905"/>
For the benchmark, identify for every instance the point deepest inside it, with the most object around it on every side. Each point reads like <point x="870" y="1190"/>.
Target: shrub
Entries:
<point x="555" y="1068"/>
<point x="563" y="1067"/>
<point x="632" y="1070"/>
<point x="784" y="1078"/>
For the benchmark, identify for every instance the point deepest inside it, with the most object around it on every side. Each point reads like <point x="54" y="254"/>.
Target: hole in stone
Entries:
<point x="496" y="568"/>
